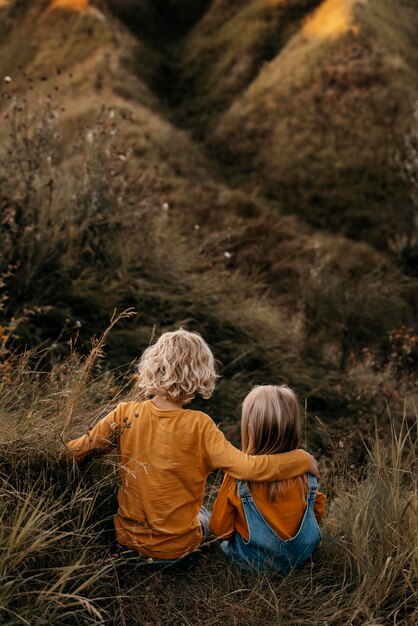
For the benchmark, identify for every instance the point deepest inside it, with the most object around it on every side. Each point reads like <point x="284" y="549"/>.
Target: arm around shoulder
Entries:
<point x="221" y="454"/>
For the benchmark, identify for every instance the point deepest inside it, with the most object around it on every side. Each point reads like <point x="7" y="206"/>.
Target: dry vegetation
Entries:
<point x="105" y="204"/>
<point x="318" y="123"/>
<point x="58" y="559"/>
<point x="76" y="246"/>
<point x="83" y="235"/>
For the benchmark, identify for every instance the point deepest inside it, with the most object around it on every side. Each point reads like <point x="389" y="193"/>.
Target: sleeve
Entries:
<point x="103" y="437"/>
<point x="220" y="454"/>
<point x="319" y="507"/>
<point x="222" y="520"/>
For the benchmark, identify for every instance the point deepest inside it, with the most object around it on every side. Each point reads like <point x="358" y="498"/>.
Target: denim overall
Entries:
<point x="264" y="549"/>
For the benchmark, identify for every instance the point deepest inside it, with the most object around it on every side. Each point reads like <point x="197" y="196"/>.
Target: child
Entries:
<point x="166" y="451"/>
<point x="275" y="524"/>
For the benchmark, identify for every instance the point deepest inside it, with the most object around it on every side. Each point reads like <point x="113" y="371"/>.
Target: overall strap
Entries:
<point x="253" y="517"/>
<point x="313" y="486"/>
<point x="244" y="492"/>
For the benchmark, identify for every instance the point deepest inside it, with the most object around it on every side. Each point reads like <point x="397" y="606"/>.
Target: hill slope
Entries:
<point x="310" y="102"/>
<point x="121" y="207"/>
<point x="302" y="103"/>
<point x="87" y="59"/>
<point x="127" y="182"/>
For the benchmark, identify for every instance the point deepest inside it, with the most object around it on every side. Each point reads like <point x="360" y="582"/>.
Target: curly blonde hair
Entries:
<point x="177" y="367"/>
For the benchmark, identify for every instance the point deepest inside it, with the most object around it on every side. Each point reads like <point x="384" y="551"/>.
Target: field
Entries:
<point x="248" y="170"/>
<point x="60" y="566"/>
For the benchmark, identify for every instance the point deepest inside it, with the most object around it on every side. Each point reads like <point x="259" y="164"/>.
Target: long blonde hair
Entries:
<point x="177" y="367"/>
<point x="270" y="424"/>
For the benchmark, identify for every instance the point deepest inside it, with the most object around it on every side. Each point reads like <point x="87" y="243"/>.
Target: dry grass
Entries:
<point x="56" y="550"/>
<point x="318" y="123"/>
<point x="50" y="37"/>
<point x="311" y="121"/>
<point x="225" y="51"/>
<point x="84" y="233"/>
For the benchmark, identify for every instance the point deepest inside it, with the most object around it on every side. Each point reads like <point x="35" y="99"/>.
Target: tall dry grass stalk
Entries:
<point x="377" y="526"/>
<point x="85" y="371"/>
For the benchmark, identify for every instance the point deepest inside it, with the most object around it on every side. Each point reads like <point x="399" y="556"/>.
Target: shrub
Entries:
<point x="350" y="313"/>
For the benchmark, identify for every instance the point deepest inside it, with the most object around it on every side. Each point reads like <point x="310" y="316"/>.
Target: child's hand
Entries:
<point x="314" y="467"/>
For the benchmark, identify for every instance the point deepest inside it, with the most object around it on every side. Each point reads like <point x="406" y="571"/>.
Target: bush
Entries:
<point x="352" y="313"/>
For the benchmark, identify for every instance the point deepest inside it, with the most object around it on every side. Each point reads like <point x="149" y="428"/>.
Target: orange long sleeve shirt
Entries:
<point x="284" y="514"/>
<point x="165" y="457"/>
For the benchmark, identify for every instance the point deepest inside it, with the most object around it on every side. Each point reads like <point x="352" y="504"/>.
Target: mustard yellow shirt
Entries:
<point x="165" y="457"/>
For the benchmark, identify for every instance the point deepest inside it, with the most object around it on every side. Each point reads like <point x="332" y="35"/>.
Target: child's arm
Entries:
<point x="222" y="519"/>
<point x="220" y="454"/>
<point x="319" y="507"/>
<point x="103" y="436"/>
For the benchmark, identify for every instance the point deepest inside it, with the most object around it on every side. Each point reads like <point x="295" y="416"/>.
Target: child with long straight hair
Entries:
<point x="167" y="451"/>
<point x="273" y="525"/>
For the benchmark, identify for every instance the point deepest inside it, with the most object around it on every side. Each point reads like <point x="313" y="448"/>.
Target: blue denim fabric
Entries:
<point x="204" y="519"/>
<point x="264" y="549"/>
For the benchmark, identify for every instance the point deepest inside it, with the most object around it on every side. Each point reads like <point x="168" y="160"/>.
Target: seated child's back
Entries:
<point x="283" y="513"/>
<point x="270" y="525"/>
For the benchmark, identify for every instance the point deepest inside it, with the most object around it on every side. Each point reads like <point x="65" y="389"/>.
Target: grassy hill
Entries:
<point x="309" y="103"/>
<point x="203" y="163"/>
<point x="300" y="104"/>
<point x="275" y="297"/>
<point x="86" y="59"/>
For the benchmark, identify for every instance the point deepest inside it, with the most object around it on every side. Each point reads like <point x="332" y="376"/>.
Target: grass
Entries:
<point x="282" y="110"/>
<point x="77" y="247"/>
<point x="321" y="117"/>
<point x="60" y="28"/>
<point x="225" y="51"/>
<point x="58" y="562"/>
